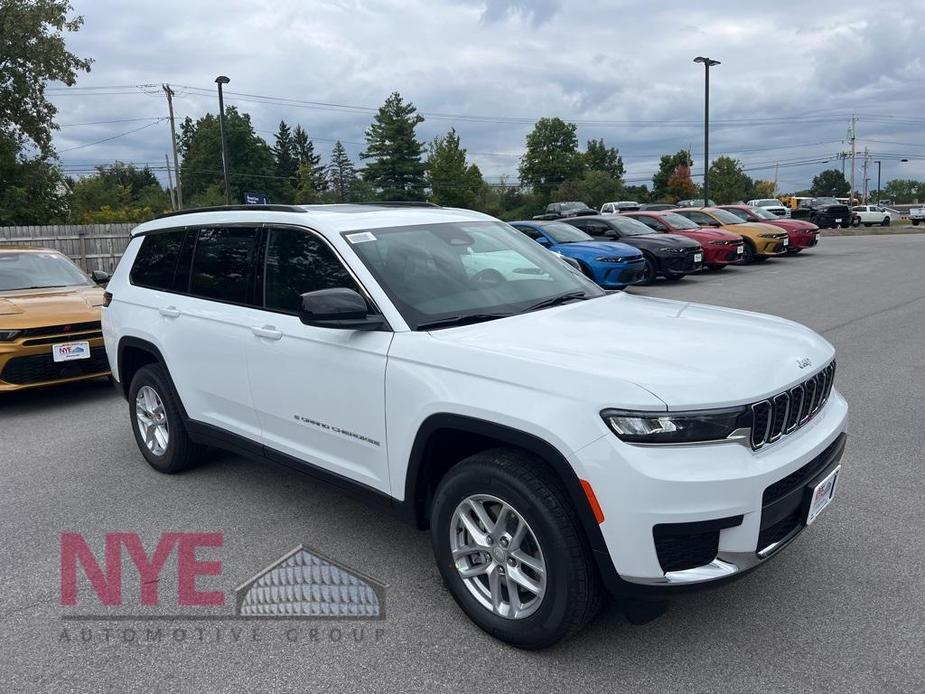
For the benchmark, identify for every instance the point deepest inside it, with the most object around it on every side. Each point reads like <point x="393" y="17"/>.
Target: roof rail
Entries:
<point x="234" y="208"/>
<point x="398" y="203"/>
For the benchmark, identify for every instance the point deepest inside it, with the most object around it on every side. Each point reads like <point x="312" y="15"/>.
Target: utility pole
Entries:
<point x="776" y="171"/>
<point x="866" y="179"/>
<point x="173" y="198"/>
<point x="853" y="155"/>
<point x="173" y="141"/>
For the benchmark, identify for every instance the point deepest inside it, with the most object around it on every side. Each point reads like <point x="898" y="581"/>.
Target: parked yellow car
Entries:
<point x="49" y="320"/>
<point x="762" y="240"/>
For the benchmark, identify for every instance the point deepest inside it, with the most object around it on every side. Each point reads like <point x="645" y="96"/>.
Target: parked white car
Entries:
<point x="620" y="206"/>
<point x="772" y="205"/>
<point x="868" y="215"/>
<point x="917" y="215"/>
<point x="555" y="439"/>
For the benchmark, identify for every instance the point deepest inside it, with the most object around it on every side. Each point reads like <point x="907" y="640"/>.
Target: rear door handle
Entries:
<point x="169" y="311"/>
<point x="268" y="332"/>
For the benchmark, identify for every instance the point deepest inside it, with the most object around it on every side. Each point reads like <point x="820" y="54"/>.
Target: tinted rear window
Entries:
<point x="223" y="264"/>
<point x="156" y="261"/>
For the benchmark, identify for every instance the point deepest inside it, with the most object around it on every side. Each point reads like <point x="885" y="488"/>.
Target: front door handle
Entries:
<point x="169" y="311"/>
<point x="268" y="332"/>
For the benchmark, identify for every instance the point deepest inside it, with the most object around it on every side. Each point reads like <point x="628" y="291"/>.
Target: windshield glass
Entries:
<point x="565" y="233"/>
<point x="725" y="217"/>
<point x="763" y="213"/>
<point x="38" y="271"/>
<point x="629" y="226"/>
<point x="436" y="272"/>
<point x="743" y="214"/>
<point x="679" y="222"/>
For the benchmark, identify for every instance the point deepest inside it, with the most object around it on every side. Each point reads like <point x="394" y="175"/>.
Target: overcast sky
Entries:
<point x="792" y="74"/>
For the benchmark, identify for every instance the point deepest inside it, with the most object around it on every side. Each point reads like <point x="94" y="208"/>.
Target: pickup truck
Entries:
<point x="917" y="214"/>
<point x="558" y="210"/>
<point x="823" y="212"/>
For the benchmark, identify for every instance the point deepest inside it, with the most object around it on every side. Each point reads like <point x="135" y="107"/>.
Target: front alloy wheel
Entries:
<point x="497" y="556"/>
<point x="152" y="420"/>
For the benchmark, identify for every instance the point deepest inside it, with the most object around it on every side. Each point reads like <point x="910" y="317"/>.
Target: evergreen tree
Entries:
<point x="600" y="157"/>
<point x="284" y="152"/>
<point x="305" y="156"/>
<point x="452" y="182"/>
<point x="341" y="175"/>
<point x="395" y="169"/>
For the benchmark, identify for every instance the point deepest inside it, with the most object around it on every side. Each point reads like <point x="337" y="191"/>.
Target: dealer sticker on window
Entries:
<point x="70" y="351"/>
<point x="361" y="237"/>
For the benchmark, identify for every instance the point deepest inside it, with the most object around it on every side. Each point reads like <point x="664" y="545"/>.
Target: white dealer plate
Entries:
<point x="838" y="221"/>
<point x="740" y="250"/>
<point x="69" y="351"/>
<point x="787" y="242"/>
<point x="698" y="257"/>
<point x="823" y="493"/>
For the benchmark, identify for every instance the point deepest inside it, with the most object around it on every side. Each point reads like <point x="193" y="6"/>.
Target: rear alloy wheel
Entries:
<point x="511" y="550"/>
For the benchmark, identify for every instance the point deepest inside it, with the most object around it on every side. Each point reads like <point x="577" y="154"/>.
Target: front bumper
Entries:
<point x="723" y="255"/>
<point x="28" y="363"/>
<point x="679" y="263"/>
<point x="803" y="239"/>
<point x="619" y="275"/>
<point x="743" y="506"/>
<point x="771" y="247"/>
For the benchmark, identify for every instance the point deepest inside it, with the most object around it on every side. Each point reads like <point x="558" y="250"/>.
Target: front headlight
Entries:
<point x="672" y="250"/>
<point x="675" y="427"/>
<point x="9" y="335"/>
<point x="610" y="259"/>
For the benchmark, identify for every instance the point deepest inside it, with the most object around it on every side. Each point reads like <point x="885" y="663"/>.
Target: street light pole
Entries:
<point x="707" y="64"/>
<point x="879" y="194"/>
<point x="220" y="80"/>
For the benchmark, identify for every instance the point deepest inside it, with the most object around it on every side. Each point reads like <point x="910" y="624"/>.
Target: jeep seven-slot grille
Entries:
<point x="785" y="412"/>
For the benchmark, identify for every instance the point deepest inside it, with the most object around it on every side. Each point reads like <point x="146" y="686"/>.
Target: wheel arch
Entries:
<point x="134" y="353"/>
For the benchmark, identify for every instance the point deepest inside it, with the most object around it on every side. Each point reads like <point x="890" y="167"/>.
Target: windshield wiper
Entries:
<point x="466" y="319"/>
<point x="556" y="300"/>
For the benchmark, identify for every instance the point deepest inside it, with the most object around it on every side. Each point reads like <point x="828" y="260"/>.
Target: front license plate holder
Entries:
<point x="821" y="495"/>
<point x="70" y="351"/>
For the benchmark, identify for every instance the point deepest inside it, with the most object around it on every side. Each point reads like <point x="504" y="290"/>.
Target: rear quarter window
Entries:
<point x="156" y="262"/>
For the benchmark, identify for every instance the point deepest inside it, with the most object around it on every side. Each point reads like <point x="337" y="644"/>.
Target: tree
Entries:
<point x="636" y="193"/>
<point x="284" y="152"/>
<point x="305" y="156"/>
<point x="904" y="190"/>
<point x="764" y="189"/>
<point x="594" y="189"/>
<point x="728" y="182"/>
<point x="117" y="193"/>
<point x="31" y="189"/>
<point x="251" y="161"/>
<point x="452" y="182"/>
<point x="667" y="168"/>
<point x="395" y="169"/>
<point x="33" y="52"/>
<point x="679" y="185"/>
<point x="830" y="183"/>
<point x="599" y="157"/>
<point x="341" y="175"/>
<point x="551" y="156"/>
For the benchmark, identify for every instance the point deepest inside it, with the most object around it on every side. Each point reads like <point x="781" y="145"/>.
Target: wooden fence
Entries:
<point x="91" y="246"/>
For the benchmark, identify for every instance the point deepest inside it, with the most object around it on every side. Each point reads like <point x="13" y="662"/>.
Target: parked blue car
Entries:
<point x="611" y="264"/>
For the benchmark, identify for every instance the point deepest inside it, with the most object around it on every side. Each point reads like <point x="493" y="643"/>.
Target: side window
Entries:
<point x="652" y="223"/>
<point x="699" y="218"/>
<point x="582" y="225"/>
<point x="156" y="261"/>
<point x="597" y="229"/>
<point x="528" y="231"/>
<point x="223" y="264"/>
<point x="299" y="262"/>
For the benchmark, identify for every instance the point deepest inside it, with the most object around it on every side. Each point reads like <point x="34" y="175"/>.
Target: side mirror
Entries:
<point x="99" y="276"/>
<point x="338" y="308"/>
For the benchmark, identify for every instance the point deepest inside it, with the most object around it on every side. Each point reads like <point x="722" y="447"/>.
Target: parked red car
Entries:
<point x="720" y="248"/>
<point x="802" y="234"/>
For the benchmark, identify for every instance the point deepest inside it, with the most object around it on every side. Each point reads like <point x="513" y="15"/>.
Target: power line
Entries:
<point x="114" y="137"/>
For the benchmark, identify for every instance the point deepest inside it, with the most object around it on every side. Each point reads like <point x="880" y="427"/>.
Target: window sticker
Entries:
<point x="361" y="237"/>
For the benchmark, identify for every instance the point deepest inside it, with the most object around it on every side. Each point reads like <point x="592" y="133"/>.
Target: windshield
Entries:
<point x="565" y="233"/>
<point x="629" y="226"/>
<point x="441" y="272"/>
<point x="743" y="214"/>
<point x="763" y="213"/>
<point x="725" y="217"/>
<point x="38" y="271"/>
<point x="679" y="222"/>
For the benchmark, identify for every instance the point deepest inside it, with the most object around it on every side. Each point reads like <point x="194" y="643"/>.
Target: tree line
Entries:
<point x="394" y="164"/>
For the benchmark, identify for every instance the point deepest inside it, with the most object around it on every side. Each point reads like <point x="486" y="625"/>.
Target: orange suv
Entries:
<point x="49" y="320"/>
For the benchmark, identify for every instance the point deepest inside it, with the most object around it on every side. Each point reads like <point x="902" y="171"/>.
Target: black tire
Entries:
<point x="649" y="273"/>
<point x="868" y="224"/>
<point x="748" y="253"/>
<point x="674" y="277"/>
<point x="885" y="222"/>
<point x="761" y="258"/>
<point x="915" y="222"/>
<point x="180" y="453"/>
<point x="573" y="593"/>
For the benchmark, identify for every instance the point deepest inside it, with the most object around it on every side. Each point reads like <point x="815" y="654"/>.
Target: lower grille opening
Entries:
<point x="780" y="530"/>
<point x="682" y="546"/>
<point x="42" y="367"/>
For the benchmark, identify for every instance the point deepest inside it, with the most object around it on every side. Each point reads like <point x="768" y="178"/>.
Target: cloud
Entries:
<point x="536" y="11"/>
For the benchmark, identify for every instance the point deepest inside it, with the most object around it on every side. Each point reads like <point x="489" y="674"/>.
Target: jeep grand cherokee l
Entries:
<point x="556" y="440"/>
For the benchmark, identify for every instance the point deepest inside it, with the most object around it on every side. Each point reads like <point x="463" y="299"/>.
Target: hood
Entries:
<point x="35" y="308"/>
<point x="755" y="229"/>
<point x="658" y="240"/>
<point x="793" y="224"/>
<point x="687" y="355"/>
<point x="596" y="248"/>
<point x="707" y="234"/>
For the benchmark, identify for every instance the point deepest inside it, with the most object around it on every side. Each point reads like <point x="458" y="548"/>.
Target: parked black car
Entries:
<point x="558" y="210"/>
<point x="823" y="212"/>
<point x="665" y="254"/>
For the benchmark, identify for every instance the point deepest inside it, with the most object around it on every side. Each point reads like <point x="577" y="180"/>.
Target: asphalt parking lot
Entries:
<point x="843" y="609"/>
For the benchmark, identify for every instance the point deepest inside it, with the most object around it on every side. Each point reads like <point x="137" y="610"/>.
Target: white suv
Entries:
<point x="555" y="439"/>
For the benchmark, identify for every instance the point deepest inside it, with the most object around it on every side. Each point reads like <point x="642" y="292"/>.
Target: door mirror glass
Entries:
<point x="338" y="308"/>
<point x="99" y="276"/>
